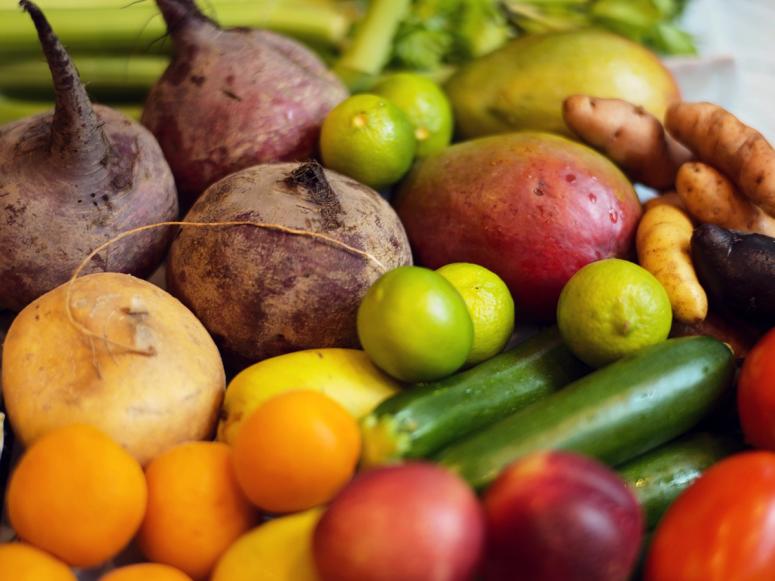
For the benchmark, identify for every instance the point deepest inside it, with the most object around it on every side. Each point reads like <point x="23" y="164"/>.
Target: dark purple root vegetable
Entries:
<point x="295" y="281"/>
<point x="234" y="98"/>
<point x="72" y="179"/>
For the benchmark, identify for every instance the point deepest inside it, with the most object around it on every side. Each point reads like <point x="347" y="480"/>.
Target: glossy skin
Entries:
<point x="756" y="394"/>
<point x="531" y="207"/>
<point x="558" y="516"/>
<point x="722" y="528"/>
<point x="415" y="325"/>
<point x="414" y="522"/>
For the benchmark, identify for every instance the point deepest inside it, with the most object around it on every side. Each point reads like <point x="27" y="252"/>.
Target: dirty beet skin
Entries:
<point x="234" y="98"/>
<point x="263" y="292"/>
<point x="73" y="179"/>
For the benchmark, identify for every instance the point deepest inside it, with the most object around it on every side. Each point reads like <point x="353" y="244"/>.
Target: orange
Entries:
<point x="195" y="507"/>
<point x="20" y="562"/>
<point x="295" y="451"/>
<point x="78" y="495"/>
<point x="145" y="572"/>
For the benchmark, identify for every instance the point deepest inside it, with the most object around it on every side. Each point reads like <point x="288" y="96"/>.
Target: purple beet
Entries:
<point x="234" y="98"/>
<point x="71" y="180"/>
<point x="558" y="516"/>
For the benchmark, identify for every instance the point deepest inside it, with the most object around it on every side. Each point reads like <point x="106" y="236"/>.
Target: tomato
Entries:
<point x="722" y="528"/>
<point x="756" y="394"/>
<point x="415" y="325"/>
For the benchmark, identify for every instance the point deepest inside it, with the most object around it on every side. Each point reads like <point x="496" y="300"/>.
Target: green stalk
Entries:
<point x="106" y="77"/>
<point x="137" y="28"/>
<point x="370" y="49"/>
<point x="14" y="109"/>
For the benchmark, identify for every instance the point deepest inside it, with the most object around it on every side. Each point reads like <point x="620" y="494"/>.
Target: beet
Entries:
<point x="234" y="98"/>
<point x="264" y="291"/>
<point x="72" y="179"/>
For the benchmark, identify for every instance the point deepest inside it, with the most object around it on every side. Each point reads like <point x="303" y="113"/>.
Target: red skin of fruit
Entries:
<point x="558" y="516"/>
<point x="756" y="394"/>
<point x="532" y="207"/>
<point x="721" y="527"/>
<point x="414" y="522"/>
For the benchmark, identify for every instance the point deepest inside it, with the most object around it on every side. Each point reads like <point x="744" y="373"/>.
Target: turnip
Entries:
<point x="234" y="98"/>
<point x="304" y="246"/>
<point x="115" y="352"/>
<point x="72" y="179"/>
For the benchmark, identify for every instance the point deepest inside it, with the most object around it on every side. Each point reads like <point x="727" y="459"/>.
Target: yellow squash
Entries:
<point x="345" y="375"/>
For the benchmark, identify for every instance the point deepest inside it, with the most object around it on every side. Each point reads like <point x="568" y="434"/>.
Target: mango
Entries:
<point x="522" y="85"/>
<point x="532" y="207"/>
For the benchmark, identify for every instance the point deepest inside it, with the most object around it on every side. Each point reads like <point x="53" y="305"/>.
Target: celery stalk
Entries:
<point x="105" y="76"/>
<point x="13" y="109"/>
<point x="137" y="28"/>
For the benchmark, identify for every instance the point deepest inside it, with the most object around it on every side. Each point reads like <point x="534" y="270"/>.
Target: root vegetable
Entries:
<point x="663" y="241"/>
<point x="721" y="140"/>
<point x="132" y="361"/>
<point x="233" y="98"/>
<point x="738" y="271"/>
<point x="296" y="282"/>
<point x="72" y="179"/>
<point x="668" y="198"/>
<point x="628" y="134"/>
<point x="712" y="199"/>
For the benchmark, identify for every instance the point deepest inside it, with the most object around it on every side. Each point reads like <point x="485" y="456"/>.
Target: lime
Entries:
<point x="425" y="104"/>
<point x="612" y="308"/>
<point x="414" y="325"/>
<point x="489" y="303"/>
<point x="369" y="139"/>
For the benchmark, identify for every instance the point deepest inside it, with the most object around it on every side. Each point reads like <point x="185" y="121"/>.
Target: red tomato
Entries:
<point x="756" y="394"/>
<point x="722" y="528"/>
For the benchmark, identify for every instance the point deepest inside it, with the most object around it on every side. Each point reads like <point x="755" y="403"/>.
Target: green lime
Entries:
<point x="489" y="303"/>
<point x="369" y="139"/>
<point x="414" y="325"/>
<point x="612" y="308"/>
<point x="425" y="104"/>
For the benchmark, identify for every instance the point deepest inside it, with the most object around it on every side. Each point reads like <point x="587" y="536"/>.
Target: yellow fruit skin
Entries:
<point x="280" y="550"/>
<point x="345" y="375"/>
<point x="522" y="85"/>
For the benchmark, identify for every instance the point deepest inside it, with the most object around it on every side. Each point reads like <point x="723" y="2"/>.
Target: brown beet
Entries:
<point x="72" y="179"/>
<point x="234" y="98"/>
<point x="263" y="291"/>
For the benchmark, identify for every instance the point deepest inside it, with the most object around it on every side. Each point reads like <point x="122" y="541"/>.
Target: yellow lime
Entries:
<point x="425" y="104"/>
<point x="368" y="138"/>
<point x="612" y="308"/>
<point x="489" y="303"/>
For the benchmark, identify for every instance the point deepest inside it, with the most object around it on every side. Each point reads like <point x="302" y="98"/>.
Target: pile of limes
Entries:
<point x="374" y="137"/>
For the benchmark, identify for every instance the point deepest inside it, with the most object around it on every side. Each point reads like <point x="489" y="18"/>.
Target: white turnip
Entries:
<point x="72" y="179"/>
<point x="233" y="98"/>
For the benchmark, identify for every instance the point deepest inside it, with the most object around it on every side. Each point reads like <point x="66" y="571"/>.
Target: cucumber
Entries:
<point x="659" y="476"/>
<point x="423" y="419"/>
<point x="614" y="414"/>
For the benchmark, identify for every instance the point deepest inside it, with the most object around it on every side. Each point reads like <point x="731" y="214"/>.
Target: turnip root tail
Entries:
<point x="183" y="16"/>
<point x="77" y="139"/>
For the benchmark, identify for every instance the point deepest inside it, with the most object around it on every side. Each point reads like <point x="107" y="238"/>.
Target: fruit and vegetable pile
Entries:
<point x="414" y="332"/>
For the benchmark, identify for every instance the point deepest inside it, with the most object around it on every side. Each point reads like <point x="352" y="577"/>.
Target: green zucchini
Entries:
<point x="614" y="414"/>
<point x="425" y="418"/>
<point x="659" y="476"/>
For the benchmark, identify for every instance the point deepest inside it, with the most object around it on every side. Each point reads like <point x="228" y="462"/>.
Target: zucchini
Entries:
<point x="614" y="414"/>
<point x="659" y="476"/>
<point x="423" y="419"/>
